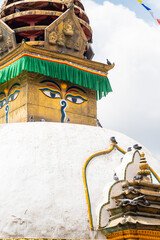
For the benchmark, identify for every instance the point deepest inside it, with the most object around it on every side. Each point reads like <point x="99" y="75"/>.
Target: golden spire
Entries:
<point x="144" y="167"/>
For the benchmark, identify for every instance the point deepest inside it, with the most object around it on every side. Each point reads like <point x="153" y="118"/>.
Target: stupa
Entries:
<point x="46" y="51"/>
<point x="62" y="176"/>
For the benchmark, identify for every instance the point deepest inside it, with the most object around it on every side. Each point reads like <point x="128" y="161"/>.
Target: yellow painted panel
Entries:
<point x="48" y="93"/>
<point x="13" y="96"/>
<point x="18" y="115"/>
<point x="79" y="119"/>
<point x="46" y="113"/>
<point x="50" y="99"/>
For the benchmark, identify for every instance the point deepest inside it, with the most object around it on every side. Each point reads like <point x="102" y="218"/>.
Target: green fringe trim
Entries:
<point x="57" y="70"/>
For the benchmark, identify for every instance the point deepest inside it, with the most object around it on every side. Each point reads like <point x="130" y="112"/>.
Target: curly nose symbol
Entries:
<point x="7" y="111"/>
<point x="63" y="107"/>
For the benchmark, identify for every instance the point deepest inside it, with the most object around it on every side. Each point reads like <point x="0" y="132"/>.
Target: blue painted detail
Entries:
<point x="2" y="103"/>
<point x="7" y="111"/>
<point x="50" y="93"/>
<point x="75" y="99"/>
<point x="13" y="96"/>
<point x="63" y="107"/>
<point x="53" y="95"/>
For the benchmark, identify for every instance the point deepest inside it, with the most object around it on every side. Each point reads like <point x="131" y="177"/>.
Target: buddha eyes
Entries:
<point x="13" y="96"/>
<point x="56" y="94"/>
<point x="2" y="103"/>
<point x="50" y="93"/>
<point x="75" y="99"/>
<point x="10" y="98"/>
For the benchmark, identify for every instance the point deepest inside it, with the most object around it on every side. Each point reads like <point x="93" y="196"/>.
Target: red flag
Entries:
<point x="158" y="20"/>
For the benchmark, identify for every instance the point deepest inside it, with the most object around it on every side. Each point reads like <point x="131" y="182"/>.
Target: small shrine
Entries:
<point x="133" y="209"/>
<point x="46" y="67"/>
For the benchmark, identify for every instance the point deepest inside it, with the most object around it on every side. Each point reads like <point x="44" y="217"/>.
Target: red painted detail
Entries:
<point x="50" y="85"/>
<point x="72" y="91"/>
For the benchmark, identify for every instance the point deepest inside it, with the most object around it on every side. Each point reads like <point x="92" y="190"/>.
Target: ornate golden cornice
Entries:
<point x="134" y="234"/>
<point x="83" y="62"/>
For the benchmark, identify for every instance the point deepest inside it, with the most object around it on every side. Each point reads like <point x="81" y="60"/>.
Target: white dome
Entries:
<point x="42" y="189"/>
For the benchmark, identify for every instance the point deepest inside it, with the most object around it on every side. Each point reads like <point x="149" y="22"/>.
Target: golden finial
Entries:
<point x="143" y="166"/>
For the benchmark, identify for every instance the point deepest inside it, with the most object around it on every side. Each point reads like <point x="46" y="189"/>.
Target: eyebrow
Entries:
<point x="72" y="90"/>
<point x="16" y="84"/>
<point x="2" y="93"/>
<point x="75" y="88"/>
<point x="50" y="85"/>
<point x="51" y="81"/>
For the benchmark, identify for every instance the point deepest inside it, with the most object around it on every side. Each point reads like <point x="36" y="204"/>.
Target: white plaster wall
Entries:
<point x="41" y="186"/>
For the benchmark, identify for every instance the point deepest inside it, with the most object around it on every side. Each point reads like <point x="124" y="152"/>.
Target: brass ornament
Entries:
<point x="78" y="44"/>
<point x="1" y="35"/>
<point x="69" y="43"/>
<point x="53" y="38"/>
<point x="68" y="28"/>
<point x="61" y="40"/>
<point x="70" y="35"/>
<point x="7" y="39"/>
<point x="9" y="42"/>
<point x="5" y="48"/>
<point x="1" y="51"/>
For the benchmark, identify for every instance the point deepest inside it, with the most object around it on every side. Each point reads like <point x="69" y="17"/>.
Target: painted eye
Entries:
<point x="13" y="96"/>
<point x="76" y="99"/>
<point x="50" y="93"/>
<point x="2" y="103"/>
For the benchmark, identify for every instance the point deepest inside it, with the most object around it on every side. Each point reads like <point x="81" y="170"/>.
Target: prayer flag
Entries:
<point x="146" y="7"/>
<point x="158" y="20"/>
<point x="152" y="14"/>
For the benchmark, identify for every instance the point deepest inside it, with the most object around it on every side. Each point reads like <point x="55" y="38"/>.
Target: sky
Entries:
<point x="135" y="6"/>
<point x="126" y="34"/>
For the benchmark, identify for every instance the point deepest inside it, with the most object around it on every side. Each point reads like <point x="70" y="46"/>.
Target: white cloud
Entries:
<point x="133" y="107"/>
